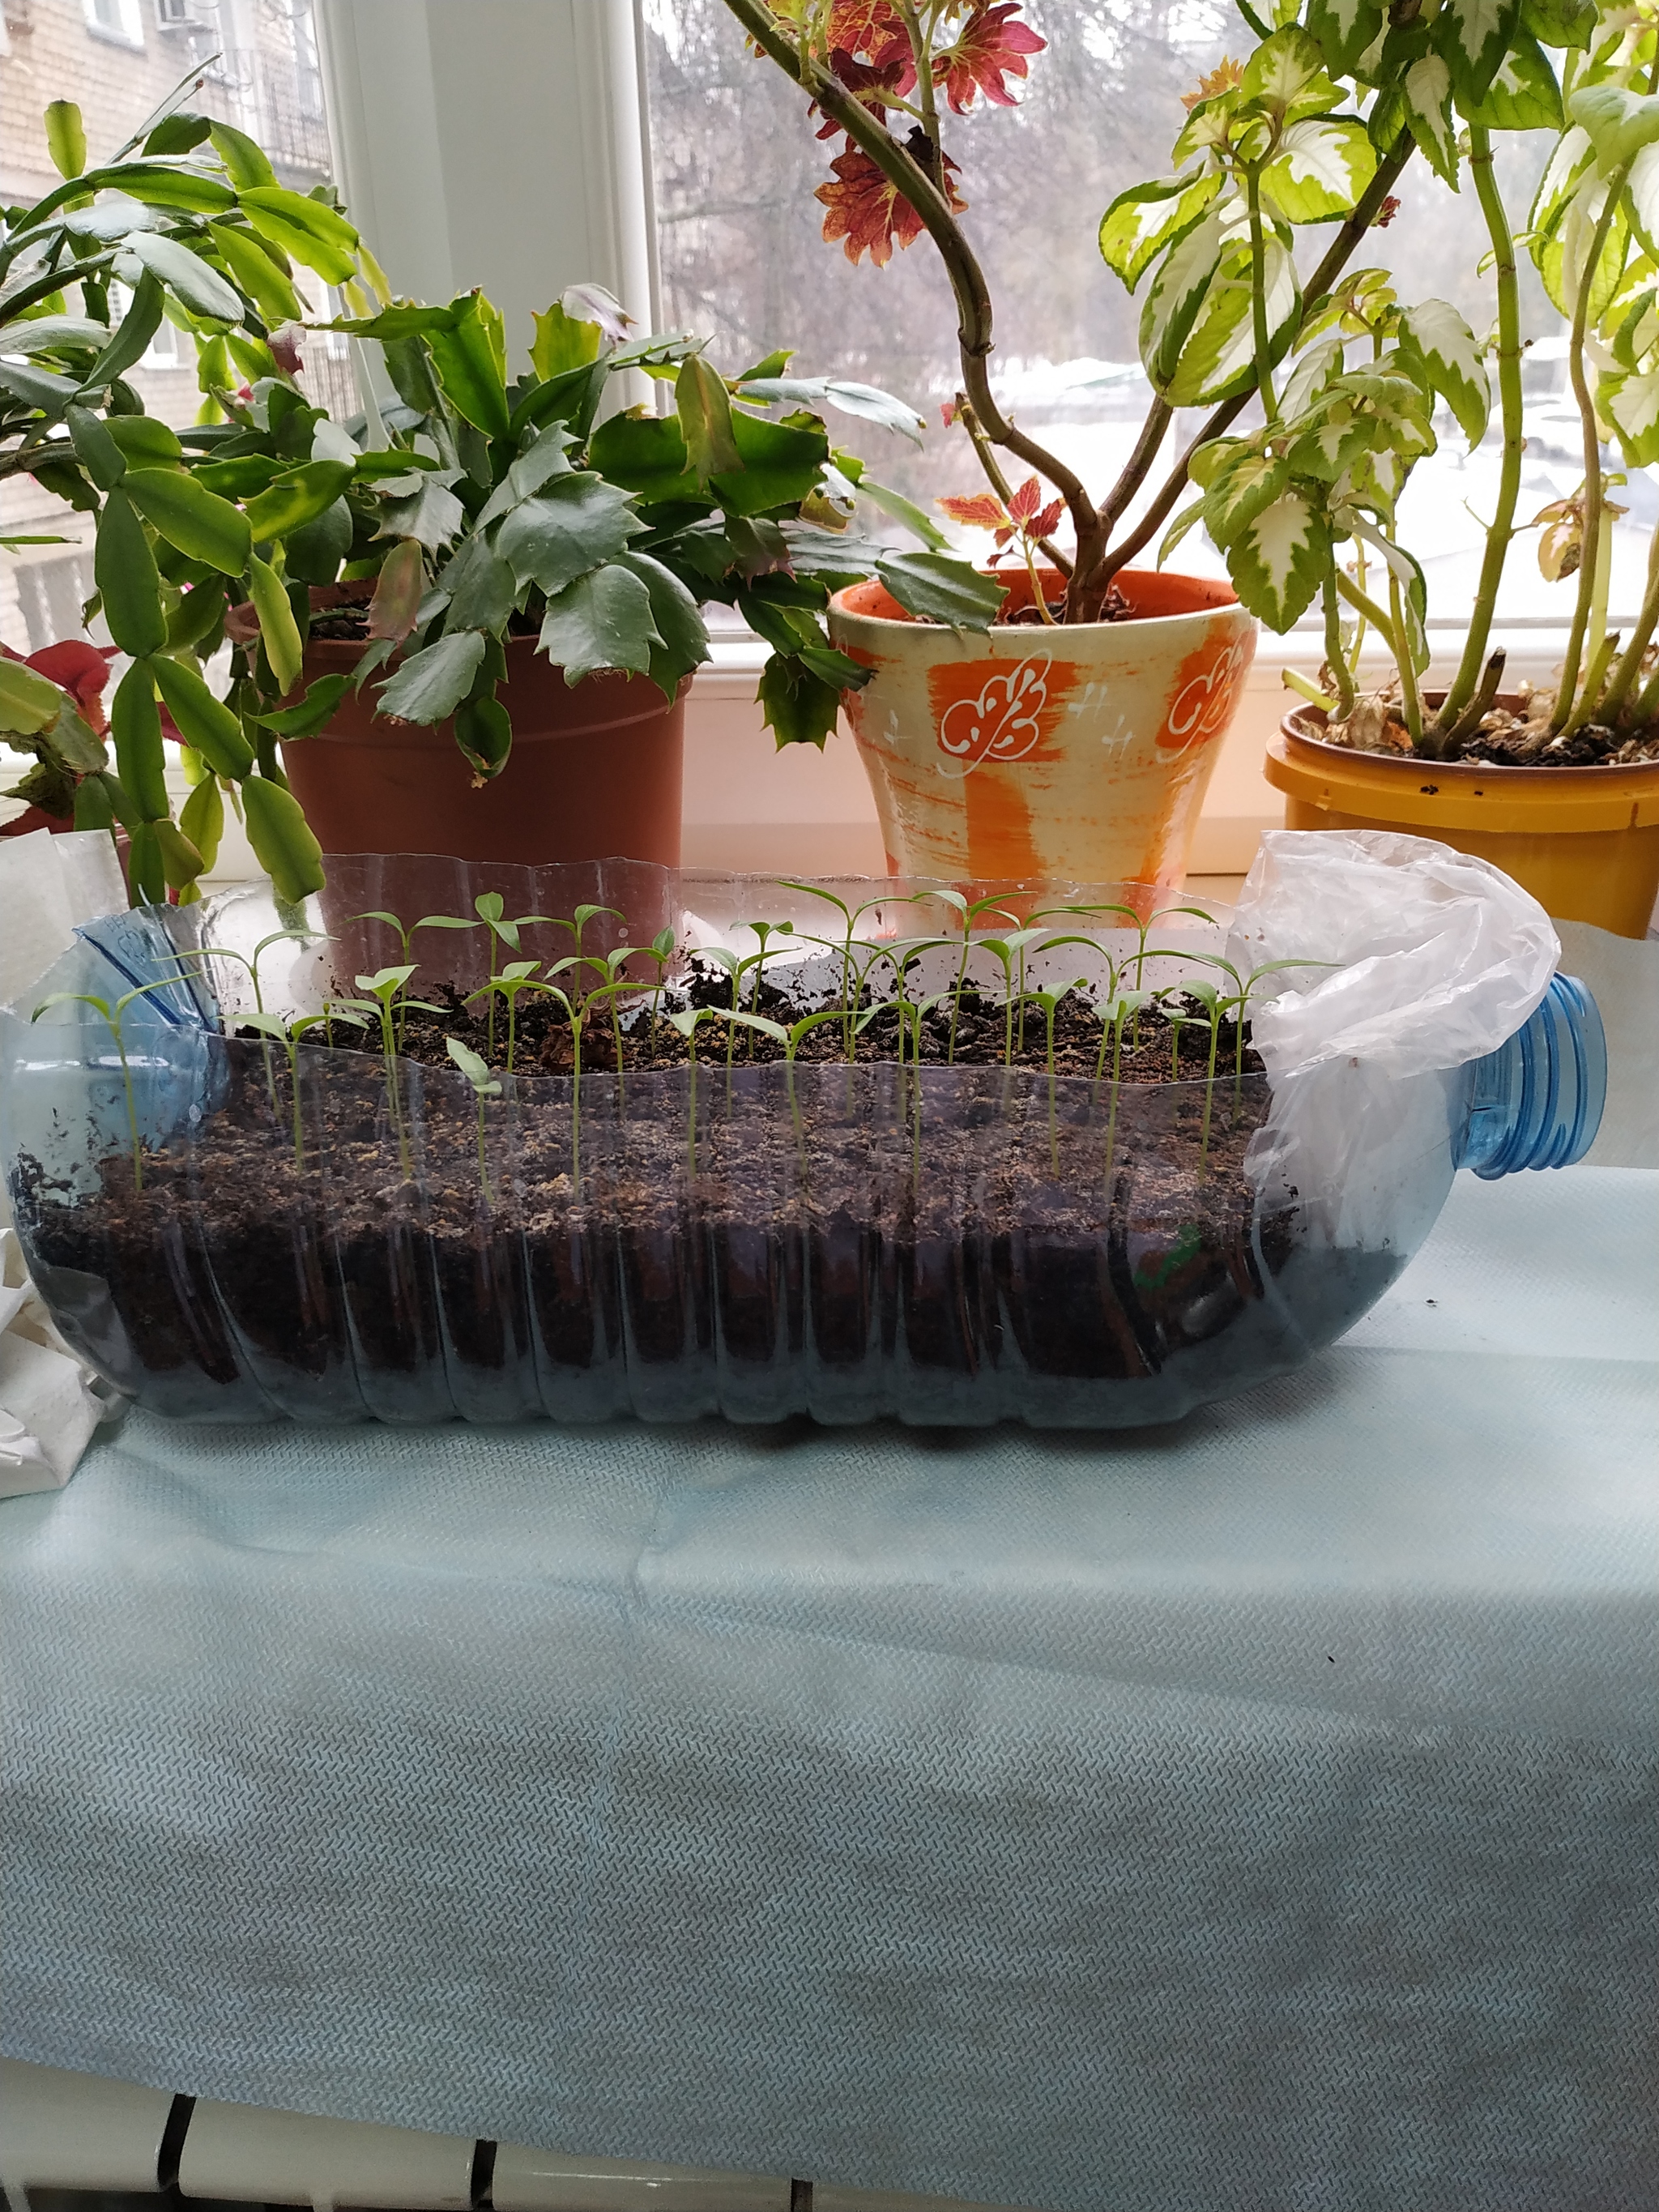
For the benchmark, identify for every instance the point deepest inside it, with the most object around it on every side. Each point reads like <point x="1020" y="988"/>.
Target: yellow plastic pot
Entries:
<point x="1075" y="754"/>
<point x="1583" y="841"/>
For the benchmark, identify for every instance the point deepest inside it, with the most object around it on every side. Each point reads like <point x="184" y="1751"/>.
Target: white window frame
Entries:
<point x="127" y="31"/>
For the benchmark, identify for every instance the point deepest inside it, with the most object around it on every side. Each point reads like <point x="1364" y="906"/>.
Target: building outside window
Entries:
<point x="255" y="64"/>
<point x="117" y="19"/>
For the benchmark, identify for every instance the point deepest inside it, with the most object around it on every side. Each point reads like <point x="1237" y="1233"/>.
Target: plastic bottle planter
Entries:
<point x="951" y="1245"/>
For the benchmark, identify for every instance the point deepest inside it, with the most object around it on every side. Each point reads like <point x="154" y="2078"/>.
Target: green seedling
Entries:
<point x="573" y="1009"/>
<point x="290" y="1035"/>
<point x="1123" y="1006"/>
<point x="902" y="954"/>
<point x="1006" y="952"/>
<point x="969" y="915"/>
<point x="386" y="1003"/>
<point x="406" y="937"/>
<point x="510" y="985"/>
<point x="764" y="931"/>
<point x="1049" y="1003"/>
<point x="1214" y="1007"/>
<point x="484" y="1087"/>
<point x="114" y="1015"/>
<point x="491" y="909"/>
<point x="688" y="1022"/>
<point x="613" y="966"/>
<point x="661" y="950"/>
<point x="1144" y="930"/>
<point x="251" y="962"/>
<point x="735" y="969"/>
<point x="850" y="919"/>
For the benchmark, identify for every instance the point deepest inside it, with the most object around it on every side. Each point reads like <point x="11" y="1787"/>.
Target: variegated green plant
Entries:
<point x="1306" y="508"/>
<point x="1594" y="238"/>
<point x="1326" y="469"/>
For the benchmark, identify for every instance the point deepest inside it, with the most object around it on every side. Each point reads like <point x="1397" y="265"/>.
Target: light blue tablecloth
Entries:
<point x="1253" y="1815"/>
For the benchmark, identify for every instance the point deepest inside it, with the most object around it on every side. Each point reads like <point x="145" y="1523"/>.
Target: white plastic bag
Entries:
<point x="50" y="1402"/>
<point x="48" y="883"/>
<point x="1439" y="958"/>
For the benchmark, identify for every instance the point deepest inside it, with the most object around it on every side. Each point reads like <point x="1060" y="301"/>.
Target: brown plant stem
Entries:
<point x="1451" y="742"/>
<point x="974" y="315"/>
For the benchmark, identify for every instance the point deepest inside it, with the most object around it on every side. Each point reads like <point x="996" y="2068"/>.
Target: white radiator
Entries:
<point x="78" y="2131"/>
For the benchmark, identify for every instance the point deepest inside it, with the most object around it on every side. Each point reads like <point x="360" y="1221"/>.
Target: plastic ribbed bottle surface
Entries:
<point x="1537" y="1101"/>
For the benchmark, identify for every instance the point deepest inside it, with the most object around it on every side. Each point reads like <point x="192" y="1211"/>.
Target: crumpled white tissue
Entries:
<point x="1440" y="958"/>
<point x="50" y="1402"/>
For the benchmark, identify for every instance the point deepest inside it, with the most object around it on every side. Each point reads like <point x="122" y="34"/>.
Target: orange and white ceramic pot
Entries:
<point x="1072" y="754"/>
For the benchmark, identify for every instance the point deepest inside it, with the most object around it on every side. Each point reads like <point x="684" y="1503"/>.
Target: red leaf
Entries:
<point x="867" y="212"/>
<point x="948" y="413"/>
<point x="992" y="48"/>
<point x="980" y="510"/>
<point x="1026" y="500"/>
<point x="872" y="31"/>
<point x="1049" y="521"/>
<point x="78" y="668"/>
<point x="864" y="82"/>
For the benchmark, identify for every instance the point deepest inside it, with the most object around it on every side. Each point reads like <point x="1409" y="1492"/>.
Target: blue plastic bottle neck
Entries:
<point x="1537" y="1101"/>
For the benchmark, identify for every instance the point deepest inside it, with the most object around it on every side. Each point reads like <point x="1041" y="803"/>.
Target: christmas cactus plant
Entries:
<point x="186" y="221"/>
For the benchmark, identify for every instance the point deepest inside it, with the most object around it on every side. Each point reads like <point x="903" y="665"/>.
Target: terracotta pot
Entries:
<point x="1076" y="754"/>
<point x="1583" y="841"/>
<point x="594" y="772"/>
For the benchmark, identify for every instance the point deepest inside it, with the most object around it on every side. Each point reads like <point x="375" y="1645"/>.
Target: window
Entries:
<point x="119" y="20"/>
<point x="269" y="85"/>
<point x="736" y="163"/>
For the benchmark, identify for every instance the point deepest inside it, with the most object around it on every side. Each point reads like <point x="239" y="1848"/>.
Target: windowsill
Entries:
<point x="752" y="808"/>
<point x="122" y="38"/>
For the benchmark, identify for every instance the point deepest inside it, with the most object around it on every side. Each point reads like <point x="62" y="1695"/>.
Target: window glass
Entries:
<point x="256" y="65"/>
<point x="736" y="165"/>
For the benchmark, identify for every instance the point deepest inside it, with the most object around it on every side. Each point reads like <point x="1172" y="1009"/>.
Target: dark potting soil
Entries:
<point x="952" y="1245"/>
<point x="974" y="1034"/>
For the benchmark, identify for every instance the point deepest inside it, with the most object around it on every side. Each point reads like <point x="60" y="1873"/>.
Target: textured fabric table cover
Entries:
<point x="1253" y="1814"/>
